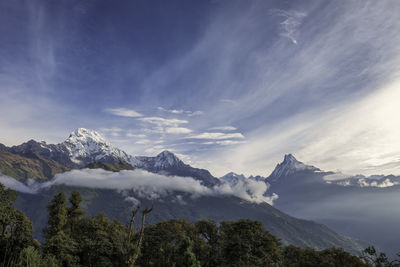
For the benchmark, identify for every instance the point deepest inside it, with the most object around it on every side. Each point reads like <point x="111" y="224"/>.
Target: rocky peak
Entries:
<point x="288" y="166"/>
<point x="166" y="159"/>
<point x="85" y="146"/>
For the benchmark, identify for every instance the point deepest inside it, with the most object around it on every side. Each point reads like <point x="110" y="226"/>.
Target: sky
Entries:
<point x="226" y="85"/>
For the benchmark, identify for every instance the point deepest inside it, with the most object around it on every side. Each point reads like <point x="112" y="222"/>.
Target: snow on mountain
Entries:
<point x="166" y="159"/>
<point x="359" y="180"/>
<point x="85" y="146"/>
<point x="233" y="178"/>
<point x="289" y="166"/>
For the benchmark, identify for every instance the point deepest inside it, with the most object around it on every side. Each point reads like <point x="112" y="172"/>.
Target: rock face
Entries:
<point x="288" y="166"/>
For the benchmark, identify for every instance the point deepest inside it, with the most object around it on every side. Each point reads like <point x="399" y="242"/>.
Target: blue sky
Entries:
<point x="227" y="85"/>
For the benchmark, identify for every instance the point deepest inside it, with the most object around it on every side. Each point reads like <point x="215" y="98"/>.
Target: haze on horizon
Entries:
<point x="226" y="85"/>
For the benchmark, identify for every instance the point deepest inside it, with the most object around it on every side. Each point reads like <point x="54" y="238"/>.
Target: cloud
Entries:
<point x="136" y="135"/>
<point x="181" y="111"/>
<point x="223" y="128"/>
<point x="230" y="101"/>
<point x="217" y="136"/>
<point x="123" y="112"/>
<point x="292" y="20"/>
<point x="224" y="142"/>
<point x="143" y="142"/>
<point x="145" y="185"/>
<point x="162" y="121"/>
<point x="177" y="130"/>
<point x="16" y="185"/>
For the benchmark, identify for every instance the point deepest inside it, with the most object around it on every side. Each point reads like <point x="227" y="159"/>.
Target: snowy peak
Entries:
<point x="166" y="159"/>
<point x="82" y="135"/>
<point x="290" y="159"/>
<point x="85" y="146"/>
<point x="233" y="178"/>
<point x="288" y="166"/>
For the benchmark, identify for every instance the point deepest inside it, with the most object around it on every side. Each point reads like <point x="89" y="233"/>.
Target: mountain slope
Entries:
<point x="167" y="163"/>
<point x="84" y="147"/>
<point x="29" y="165"/>
<point x="178" y="205"/>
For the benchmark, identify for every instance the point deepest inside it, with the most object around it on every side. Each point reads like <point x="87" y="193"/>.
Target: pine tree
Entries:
<point x="57" y="216"/>
<point x="74" y="212"/>
<point x="58" y="243"/>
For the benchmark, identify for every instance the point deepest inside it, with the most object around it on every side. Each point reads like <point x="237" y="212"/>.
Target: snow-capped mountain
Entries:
<point x="162" y="161"/>
<point x="86" y="146"/>
<point x="288" y="166"/>
<point x="233" y="178"/>
<point x="169" y="164"/>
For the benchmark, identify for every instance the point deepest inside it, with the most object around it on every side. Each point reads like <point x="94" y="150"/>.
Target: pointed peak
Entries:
<point x="290" y="165"/>
<point x="289" y="158"/>
<point x="82" y="134"/>
<point x="232" y="174"/>
<point x="165" y="153"/>
<point x="166" y="159"/>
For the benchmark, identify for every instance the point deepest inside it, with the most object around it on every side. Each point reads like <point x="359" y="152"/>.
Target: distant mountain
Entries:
<point x="167" y="163"/>
<point x="84" y="146"/>
<point x="358" y="206"/>
<point x="302" y="190"/>
<point x="234" y="178"/>
<point x="28" y="165"/>
<point x="289" y="166"/>
<point x="360" y="180"/>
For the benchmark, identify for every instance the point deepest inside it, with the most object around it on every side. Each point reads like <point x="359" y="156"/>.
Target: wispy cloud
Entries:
<point x="289" y="26"/>
<point x="217" y="136"/>
<point x="224" y="142"/>
<point x="123" y="112"/>
<point x="163" y="121"/>
<point x="177" y="130"/>
<point x="181" y="111"/>
<point x="230" y="101"/>
<point x="223" y="128"/>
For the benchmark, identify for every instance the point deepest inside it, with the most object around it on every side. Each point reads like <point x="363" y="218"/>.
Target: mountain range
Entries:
<point x="293" y="187"/>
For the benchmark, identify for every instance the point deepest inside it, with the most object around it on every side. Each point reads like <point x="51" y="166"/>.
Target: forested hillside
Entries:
<point x="74" y="239"/>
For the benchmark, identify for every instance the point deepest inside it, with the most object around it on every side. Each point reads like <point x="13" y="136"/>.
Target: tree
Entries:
<point x="101" y="242"/>
<point x="136" y="252"/>
<point x="161" y="242"/>
<point x="184" y="254"/>
<point x="15" y="228"/>
<point x="74" y="212"/>
<point x="59" y="243"/>
<point x="206" y="248"/>
<point x="31" y="257"/>
<point x="247" y="243"/>
<point x="57" y="216"/>
<point x="373" y="258"/>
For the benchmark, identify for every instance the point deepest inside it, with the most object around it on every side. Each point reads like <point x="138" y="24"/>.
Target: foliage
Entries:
<point x="73" y="239"/>
<point x="373" y="258"/>
<point x="15" y="228"/>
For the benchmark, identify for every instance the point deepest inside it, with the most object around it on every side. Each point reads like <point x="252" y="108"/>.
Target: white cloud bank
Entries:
<point x="145" y="184"/>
